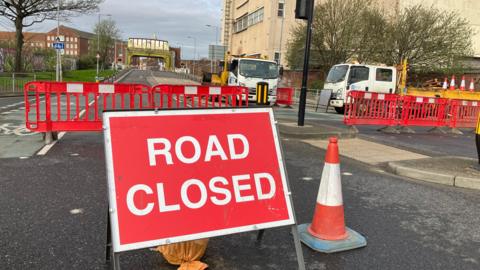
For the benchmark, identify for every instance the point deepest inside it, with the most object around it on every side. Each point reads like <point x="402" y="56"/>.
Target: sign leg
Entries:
<point x="116" y="261"/>
<point x="298" y="248"/>
<point x="260" y="235"/>
<point x="108" y="246"/>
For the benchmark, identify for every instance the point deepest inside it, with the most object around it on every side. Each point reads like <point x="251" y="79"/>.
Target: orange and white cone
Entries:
<point x="462" y="84"/>
<point x="472" y="86"/>
<point x="452" y="83"/>
<point x="327" y="232"/>
<point x="445" y="84"/>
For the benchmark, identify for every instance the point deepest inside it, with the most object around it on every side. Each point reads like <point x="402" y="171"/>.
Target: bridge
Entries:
<point x="150" y="48"/>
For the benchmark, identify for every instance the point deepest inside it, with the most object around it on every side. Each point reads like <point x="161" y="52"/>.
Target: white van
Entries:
<point x="344" y="77"/>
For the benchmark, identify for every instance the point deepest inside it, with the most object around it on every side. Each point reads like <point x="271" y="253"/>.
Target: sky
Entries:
<point x="169" y="20"/>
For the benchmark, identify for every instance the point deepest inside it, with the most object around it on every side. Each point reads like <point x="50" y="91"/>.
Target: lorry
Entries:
<point x="247" y="72"/>
<point x="345" y="77"/>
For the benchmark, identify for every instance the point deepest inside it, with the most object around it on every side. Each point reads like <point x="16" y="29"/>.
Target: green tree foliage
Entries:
<point x="346" y="30"/>
<point x="108" y="33"/>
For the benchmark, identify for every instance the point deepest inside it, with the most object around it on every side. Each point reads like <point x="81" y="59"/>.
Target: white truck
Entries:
<point x="248" y="72"/>
<point x="345" y="77"/>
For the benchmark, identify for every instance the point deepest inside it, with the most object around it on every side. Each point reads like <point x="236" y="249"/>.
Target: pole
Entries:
<point x="303" y="93"/>
<point x="98" y="46"/>
<point x="57" y="66"/>
<point x="115" y="55"/>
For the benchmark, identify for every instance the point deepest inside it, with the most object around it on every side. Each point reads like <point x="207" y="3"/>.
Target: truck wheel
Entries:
<point x="340" y="110"/>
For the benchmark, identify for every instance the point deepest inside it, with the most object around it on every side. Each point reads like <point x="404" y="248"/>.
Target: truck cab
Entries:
<point x="345" y="77"/>
<point x="247" y="72"/>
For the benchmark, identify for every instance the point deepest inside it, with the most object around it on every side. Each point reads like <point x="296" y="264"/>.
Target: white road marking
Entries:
<point x="76" y="211"/>
<point x="5" y="113"/>
<point x="347" y="174"/>
<point x="47" y="147"/>
<point x="23" y="157"/>
<point x="74" y="154"/>
<point x="307" y="178"/>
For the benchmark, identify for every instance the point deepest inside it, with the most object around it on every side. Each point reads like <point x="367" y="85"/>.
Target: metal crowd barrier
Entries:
<point x="366" y="108"/>
<point x="61" y="106"/>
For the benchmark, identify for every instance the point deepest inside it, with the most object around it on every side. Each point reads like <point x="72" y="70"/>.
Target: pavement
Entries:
<point x="453" y="171"/>
<point x="54" y="213"/>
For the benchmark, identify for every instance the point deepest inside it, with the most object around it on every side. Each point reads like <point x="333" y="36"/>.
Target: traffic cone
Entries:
<point x="452" y="83"/>
<point x="472" y="86"/>
<point x="462" y="84"/>
<point x="327" y="232"/>
<point x="445" y="84"/>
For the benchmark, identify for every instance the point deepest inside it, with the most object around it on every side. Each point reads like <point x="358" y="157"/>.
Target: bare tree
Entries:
<point x="25" y="13"/>
<point x="428" y="38"/>
<point x="342" y="29"/>
<point x="108" y="34"/>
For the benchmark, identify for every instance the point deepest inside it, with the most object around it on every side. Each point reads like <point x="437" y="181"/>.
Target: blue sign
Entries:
<point x="59" y="45"/>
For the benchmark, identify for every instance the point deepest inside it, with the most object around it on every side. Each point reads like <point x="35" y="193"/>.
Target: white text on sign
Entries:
<point x="218" y="190"/>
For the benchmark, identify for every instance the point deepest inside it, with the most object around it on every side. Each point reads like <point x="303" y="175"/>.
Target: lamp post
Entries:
<point x="98" y="43"/>
<point x="58" y="67"/>
<point x="194" y="52"/>
<point x="216" y="43"/>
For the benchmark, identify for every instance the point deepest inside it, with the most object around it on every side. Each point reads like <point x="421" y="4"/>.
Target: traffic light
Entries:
<point x="302" y="10"/>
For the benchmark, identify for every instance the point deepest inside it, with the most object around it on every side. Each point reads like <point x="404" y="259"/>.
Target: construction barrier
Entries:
<point x="366" y="108"/>
<point x="61" y="106"/>
<point x="464" y="114"/>
<point x="196" y="96"/>
<point x="424" y="111"/>
<point x="285" y="96"/>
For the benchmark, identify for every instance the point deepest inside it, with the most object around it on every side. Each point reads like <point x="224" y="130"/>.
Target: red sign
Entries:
<point x="189" y="174"/>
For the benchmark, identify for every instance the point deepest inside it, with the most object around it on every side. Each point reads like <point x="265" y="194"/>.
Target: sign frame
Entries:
<point x="113" y="225"/>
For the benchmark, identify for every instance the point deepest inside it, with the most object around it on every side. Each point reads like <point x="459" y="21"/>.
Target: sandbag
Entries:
<point x="186" y="254"/>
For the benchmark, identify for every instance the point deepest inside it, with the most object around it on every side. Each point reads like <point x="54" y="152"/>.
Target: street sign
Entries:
<point x="216" y="52"/>
<point x="181" y="175"/>
<point x="59" y="45"/>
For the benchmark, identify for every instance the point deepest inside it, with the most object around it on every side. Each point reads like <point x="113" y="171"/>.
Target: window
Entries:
<point x="247" y="20"/>
<point x="358" y="74"/>
<point x="384" y="75"/>
<point x="75" y="39"/>
<point x="75" y="46"/>
<point x="281" y="8"/>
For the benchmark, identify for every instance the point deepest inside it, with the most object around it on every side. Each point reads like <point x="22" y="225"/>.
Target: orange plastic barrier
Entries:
<point x="285" y="96"/>
<point x="61" y="106"/>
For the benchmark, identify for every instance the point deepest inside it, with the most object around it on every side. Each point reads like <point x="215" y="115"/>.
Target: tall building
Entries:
<point x="264" y="27"/>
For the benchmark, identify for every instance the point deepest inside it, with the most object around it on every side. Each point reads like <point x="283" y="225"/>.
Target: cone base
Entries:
<point x="354" y="240"/>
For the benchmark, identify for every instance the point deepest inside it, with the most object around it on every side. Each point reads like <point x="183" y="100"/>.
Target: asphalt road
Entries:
<point x="54" y="208"/>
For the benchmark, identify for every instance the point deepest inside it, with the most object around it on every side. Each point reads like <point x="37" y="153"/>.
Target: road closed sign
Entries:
<point x="181" y="175"/>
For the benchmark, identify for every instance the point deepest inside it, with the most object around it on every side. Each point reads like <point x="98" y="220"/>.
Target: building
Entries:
<point x="31" y="39"/>
<point x="264" y="27"/>
<point x="77" y="43"/>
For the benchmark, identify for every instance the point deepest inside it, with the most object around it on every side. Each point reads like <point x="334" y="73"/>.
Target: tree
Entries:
<point x="25" y="13"/>
<point x="428" y="38"/>
<point x="341" y="29"/>
<point x="108" y="33"/>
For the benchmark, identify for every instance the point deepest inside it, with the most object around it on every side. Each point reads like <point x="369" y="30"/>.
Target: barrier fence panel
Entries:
<point x="197" y="96"/>
<point x="285" y="96"/>
<point x="463" y="114"/>
<point x="424" y="111"/>
<point x="60" y="106"/>
<point x="366" y="108"/>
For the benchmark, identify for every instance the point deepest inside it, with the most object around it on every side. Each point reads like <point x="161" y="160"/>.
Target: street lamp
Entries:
<point x="216" y="43"/>
<point x="58" y="66"/>
<point x="194" y="52"/>
<point x="98" y="43"/>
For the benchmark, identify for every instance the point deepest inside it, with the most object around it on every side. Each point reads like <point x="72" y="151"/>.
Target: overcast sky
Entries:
<point x="169" y="20"/>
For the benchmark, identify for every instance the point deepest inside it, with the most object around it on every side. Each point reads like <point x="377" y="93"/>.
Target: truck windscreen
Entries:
<point x="337" y="74"/>
<point x="258" y="69"/>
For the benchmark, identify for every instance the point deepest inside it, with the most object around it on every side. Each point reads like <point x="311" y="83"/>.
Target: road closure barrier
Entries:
<point x="285" y="96"/>
<point x="366" y="108"/>
<point x="197" y="96"/>
<point x="62" y="106"/>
